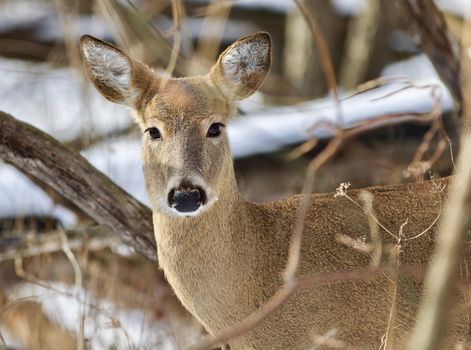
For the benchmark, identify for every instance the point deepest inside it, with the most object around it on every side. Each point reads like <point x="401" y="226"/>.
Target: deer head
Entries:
<point x="185" y="150"/>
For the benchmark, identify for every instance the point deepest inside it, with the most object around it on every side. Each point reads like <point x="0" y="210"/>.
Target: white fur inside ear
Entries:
<point x="110" y="67"/>
<point x="244" y="59"/>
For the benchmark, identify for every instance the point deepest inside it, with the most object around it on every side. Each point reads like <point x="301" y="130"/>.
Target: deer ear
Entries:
<point x="116" y="76"/>
<point x="243" y="66"/>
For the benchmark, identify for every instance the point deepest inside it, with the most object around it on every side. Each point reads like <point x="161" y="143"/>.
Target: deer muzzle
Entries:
<point x="186" y="198"/>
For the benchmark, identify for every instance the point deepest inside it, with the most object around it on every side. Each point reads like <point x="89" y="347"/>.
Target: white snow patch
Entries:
<point x="57" y="101"/>
<point x="11" y="342"/>
<point x="42" y="16"/>
<point x="419" y="69"/>
<point x="269" y="5"/>
<point x="349" y="7"/>
<point x="64" y="304"/>
<point x="355" y="7"/>
<point x="455" y="7"/>
<point x="120" y="159"/>
<point x="19" y="197"/>
<point x="272" y="128"/>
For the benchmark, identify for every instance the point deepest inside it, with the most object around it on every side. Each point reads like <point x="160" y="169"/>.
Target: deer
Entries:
<point x="223" y="255"/>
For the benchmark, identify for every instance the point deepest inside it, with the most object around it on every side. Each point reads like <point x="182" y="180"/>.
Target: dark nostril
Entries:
<point x="186" y="199"/>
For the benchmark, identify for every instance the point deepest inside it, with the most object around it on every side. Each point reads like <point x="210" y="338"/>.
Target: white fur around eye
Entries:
<point x="245" y="59"/>
<point x="110" y="67"/>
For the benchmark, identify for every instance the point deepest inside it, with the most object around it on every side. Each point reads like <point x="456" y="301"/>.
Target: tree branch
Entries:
<point x="453" y="232"/>
<point x="93" y="237"/>
<point x="66" y="171"/>
<point x="436" y="42"/>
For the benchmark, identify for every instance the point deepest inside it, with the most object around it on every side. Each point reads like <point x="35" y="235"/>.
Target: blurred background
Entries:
<point x="63" y="283"/>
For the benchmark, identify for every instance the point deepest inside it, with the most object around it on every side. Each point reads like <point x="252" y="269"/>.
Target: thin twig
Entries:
<point x="19" y="270"/>
<point x="418" y="166"/>
<point x="252" y="320"/>
<point x="376" y="243"/>
<point x="211" y="34"/>
<point x="4" y="344"/>
<point x="388" y="339"/>
<point x="323" y="49"/>
<point x="176" y="13"/>
<point x="324" y="54"/>
<point x="342" y="192"/>
<point x="78" y="285"/>
<point x="303" y="282"/>
<point x="430" y="226"/>
<point x="376" y="122"/>
<point x="94" y="238"/>
<point x="359" y="43"/>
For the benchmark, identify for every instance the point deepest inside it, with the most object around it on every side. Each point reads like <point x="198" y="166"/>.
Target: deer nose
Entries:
<point x="186" y="198"/>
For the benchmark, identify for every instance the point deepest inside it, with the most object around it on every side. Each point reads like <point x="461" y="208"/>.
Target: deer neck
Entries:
<point x="198" y="254"/>
<point x="215" y="229"/>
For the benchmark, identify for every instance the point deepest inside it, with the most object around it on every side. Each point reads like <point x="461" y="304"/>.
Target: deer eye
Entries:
<point x="154" y="133"/>
<point x="215" y="130"/>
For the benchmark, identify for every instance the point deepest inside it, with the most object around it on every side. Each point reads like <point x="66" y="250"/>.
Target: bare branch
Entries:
<point x="93" y="238"/>
<point x="362" y="30"/>
<point x="436" y="42"/>
<point x="66" y="171"/>
<point x="132" y="27"/>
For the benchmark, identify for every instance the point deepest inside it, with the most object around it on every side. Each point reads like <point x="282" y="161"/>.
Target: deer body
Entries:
<point x="223" y="255"/>
<point x="223" y="271"/>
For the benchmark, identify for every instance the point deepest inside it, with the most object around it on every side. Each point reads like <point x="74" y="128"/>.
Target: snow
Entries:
<point x="42" y="17"/>
<point x="273" y="129"/>
<point x="65" y="304"/>
<point x="192" y="28"/>
<point x="120" y="159"/>
<point x="458" y="8"/>
<point x="10" y="341"/>
<point x="354" y="7"/>
<point x="268" y="5"/>
<point x="349" y="7"/>
<point x="14" y="13"/>
<point x="48" y="27"/>
<point x="56" y="100"/>
<point x="20" y="197"/>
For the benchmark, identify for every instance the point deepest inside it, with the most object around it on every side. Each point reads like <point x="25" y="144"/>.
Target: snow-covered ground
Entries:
<point x="106" y="326"/>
